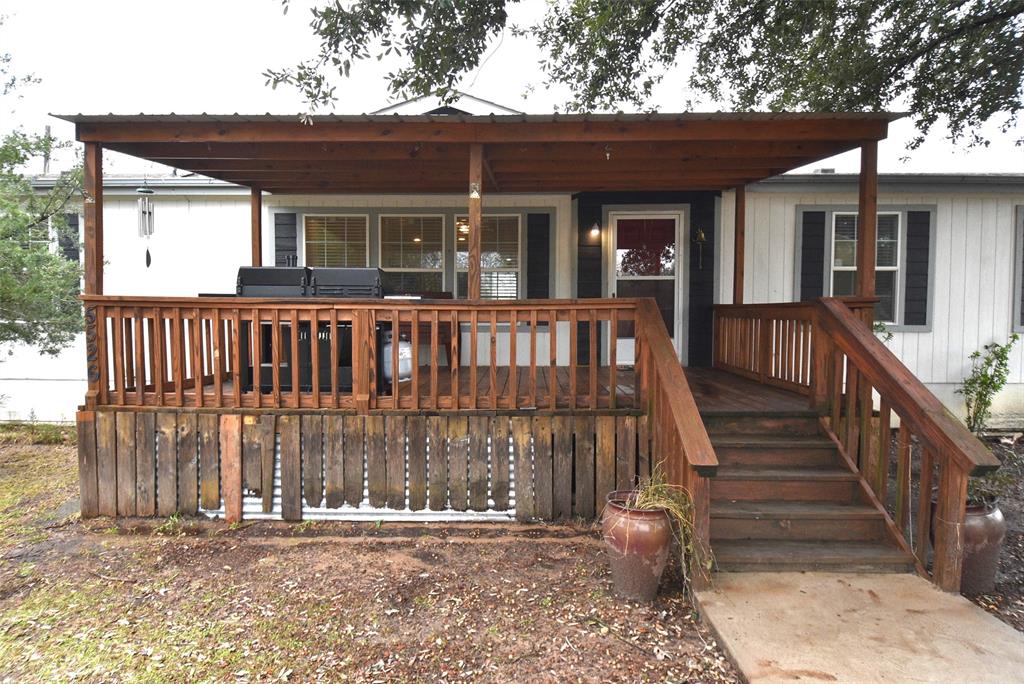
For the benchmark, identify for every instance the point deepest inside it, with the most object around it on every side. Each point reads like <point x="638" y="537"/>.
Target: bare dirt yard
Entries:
<point x="1007" y="599"/>
<point x="195" y="600"/>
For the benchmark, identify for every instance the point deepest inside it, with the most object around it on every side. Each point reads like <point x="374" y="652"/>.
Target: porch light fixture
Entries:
<point x="595" y="231"/>
<point x="416" y="239"/>
<point x="474" y="191"/>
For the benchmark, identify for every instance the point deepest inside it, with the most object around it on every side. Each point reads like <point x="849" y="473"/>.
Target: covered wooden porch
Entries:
<point x="536" y="408"/>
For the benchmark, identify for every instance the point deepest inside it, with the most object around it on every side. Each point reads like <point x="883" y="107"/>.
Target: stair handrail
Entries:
<point x="905" y="393"/>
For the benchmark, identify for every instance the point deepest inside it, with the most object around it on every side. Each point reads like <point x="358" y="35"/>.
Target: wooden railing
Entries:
<point x="223" y="352"/>
<point x="679" y="442"/>
<point x="826" y="350"/>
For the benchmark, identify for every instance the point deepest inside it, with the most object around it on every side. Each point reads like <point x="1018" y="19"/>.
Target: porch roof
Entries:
<point x="522" y="153"/>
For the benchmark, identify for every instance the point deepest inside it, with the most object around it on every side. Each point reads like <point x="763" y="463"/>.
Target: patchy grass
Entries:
<point x="24" y="432"/>
<point x="192" y="600"/>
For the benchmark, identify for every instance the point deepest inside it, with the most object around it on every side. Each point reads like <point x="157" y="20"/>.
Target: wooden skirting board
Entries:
<point x="552" y="465"/>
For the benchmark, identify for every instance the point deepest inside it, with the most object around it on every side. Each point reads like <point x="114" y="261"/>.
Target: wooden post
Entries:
<point x="867" y="214"/>
<point x="257" y="227"/>
<point x="949" y="525"/>
<point x="476" y="163"/>
<point x="739" y="244"/>
<point x="92" y="187"/>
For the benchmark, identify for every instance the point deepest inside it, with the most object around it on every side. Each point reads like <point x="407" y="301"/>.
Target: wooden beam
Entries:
<point x="256" y="238"/>
<point x="739" y="244"/>
<point x="867" y="215"/>
<point x="476" y="189"/>
<point x="92" y="189"/>
<point x="607" y="131"/>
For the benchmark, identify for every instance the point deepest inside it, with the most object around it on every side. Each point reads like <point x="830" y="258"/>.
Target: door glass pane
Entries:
<point x="645" y="247"/>
<point x="663" y="292"/>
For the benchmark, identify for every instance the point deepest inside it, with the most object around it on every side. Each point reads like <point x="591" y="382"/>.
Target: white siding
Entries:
<point x="972" y="297"/>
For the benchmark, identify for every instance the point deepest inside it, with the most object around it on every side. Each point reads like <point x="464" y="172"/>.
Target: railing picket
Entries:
<point x="396" y="336"/>
<point x="257" y="359"/>
<point x="574" y="334"/>
<point x="613" y="359"/>
<point x="434" y="331"/>
<point x="333" y="337"/>
<point x="195" y="337"/>
<point x="102" y="355"/>
<point x="295" y="358"/>
<point x="852" y="401"/>
<point x="924" y="505"/>
<point x="492" y="356"/>
<point x="156" y="341"/>
<point x="275" y="351"/>
<point x="414" y="337"/>
<point x="178" y="357"/>
<point x="218" y="359"/>
<point x="513" y="359"/>
<point x="592" y="360"/>
<point x="117" y="328"/>
<point x="903" y="478"/>
<point x="129" y="353"/>
<point x="456" y="360"/>
<point x="531" y="402"/>
<point x="314" y="351"/>
<point x="140" y="358"/>
<point x="884" y="441"/>
<point x="473" y="335"/>
<point x="235" y="336"/>
<point x="553" y="359"/>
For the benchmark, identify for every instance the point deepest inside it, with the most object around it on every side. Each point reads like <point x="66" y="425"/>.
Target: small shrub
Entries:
<point x="990" y="368"/>
<point x="882" y="331"/>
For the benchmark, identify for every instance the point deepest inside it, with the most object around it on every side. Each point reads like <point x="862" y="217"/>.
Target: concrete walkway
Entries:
<point x="837" y="627"/>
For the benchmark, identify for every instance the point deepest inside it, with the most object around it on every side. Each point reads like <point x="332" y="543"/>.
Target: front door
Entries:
<point x="646" y="261"/>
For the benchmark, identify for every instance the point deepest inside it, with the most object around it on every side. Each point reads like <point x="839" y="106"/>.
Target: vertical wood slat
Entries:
<point x="478" y="461"/>
<point x="130" y="379"/>
<point x="473" y="334"/>
<point x="414" y="336"/>
<point x="394" y="432"/>
<point x="532" y="400"/>
<point x="312" y="440"/>
<point x="500" y="471"/>
<point x="354" y="452"/>
<point x="543" y="468"/>
<point x="106" y="463"/>
<point x="456" y="359"/>
<point x="416" y="431"/>
<point x="625" y="452"/>
<point x="574" y="333"/>
<point x="592" y="360"/>
<point x="884" y="440"/>
<point x="178" y="357"/>
<point x="117" y="331"/>
<point x="522" y="457"/>
<point x="396" y="336"/>
<point x="334" y="454"/>
<point x="102" y="355"/>
<point x="188" y="463"/>
<point x="166" y="463"/>
<point x="88" y="485"/>
<point x="125" y="463"/>
<point x="437" y="462"/>
<point x="584" y="503"/>
<point x="458" y="462"/>
<point x="230" y="436"/>
<point x="376" y="465"/>
<point x="949" y="526"/>
<point x="434" y="332"/>
<point x="562" y="475"/>
<point x="265" y="425"/>
<point x="613" y="359"/>
<point x="145" y="464"/>
<point x="291" y="467"/>
<point x="276" y="342"/>
<point x="209" y="463"/>
<point x="605" y="470"/>
<point x="236" y="356"/>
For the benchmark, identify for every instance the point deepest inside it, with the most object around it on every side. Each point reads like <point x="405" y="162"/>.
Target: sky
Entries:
<point x="192" y="56"/>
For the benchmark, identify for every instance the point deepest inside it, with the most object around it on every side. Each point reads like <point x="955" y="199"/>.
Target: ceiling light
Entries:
<point x="595" y="230"/>
<point x="416" y="239"/>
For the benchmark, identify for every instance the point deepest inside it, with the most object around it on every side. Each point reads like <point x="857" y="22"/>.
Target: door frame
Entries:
<point x="681" y="215"/>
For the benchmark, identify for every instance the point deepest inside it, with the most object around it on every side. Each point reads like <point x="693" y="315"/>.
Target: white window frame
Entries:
<point x="518" y="270"/>
<point x="897" y="308"/>
<point x="302" y="243"/>
<point x="380" y="244"/>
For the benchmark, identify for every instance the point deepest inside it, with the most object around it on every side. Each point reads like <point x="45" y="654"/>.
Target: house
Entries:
<point x="569" y="269"/>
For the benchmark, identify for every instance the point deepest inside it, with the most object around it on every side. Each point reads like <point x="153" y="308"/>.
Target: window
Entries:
<point x="887" y="261"/>
<point x="336" y="241"/>
<point x="412" y="253"/>
<point x="499" y="256"/>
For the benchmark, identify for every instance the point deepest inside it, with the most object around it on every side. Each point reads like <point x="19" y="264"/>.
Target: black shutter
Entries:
<point x="67" y="240"/>
<point x="286" y="248"/>
<point x="915" y="293"/>
<point x="538" y="255"/>
<point x="812" y="255"/>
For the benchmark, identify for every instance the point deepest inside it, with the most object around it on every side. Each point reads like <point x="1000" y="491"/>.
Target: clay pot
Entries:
<point x="984" y="530"/>
<point x="638" y="544"/>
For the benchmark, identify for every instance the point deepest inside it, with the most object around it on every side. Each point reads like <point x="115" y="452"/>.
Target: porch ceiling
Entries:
<point x="549" y="153"/>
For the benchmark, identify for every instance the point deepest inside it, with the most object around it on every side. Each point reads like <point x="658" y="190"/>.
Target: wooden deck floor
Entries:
<point x="720" y="391"/>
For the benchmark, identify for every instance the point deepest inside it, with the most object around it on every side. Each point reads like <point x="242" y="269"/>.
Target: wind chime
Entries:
<point x="146" y="206"/>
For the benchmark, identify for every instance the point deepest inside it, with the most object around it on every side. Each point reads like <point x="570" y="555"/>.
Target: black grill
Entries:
<point x="292" y="282"/>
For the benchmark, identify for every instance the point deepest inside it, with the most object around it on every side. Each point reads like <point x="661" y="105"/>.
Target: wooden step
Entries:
<point x="795" y="521"/>
<point x="810" y="451"/>
<point x="783" y="484"/>
<point x="800" y="556"/>
<point x="781" y="423"/>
